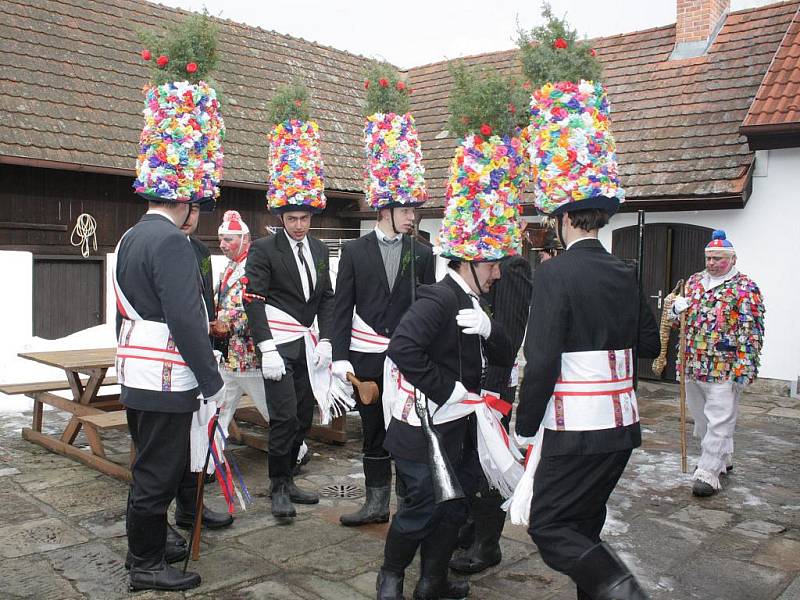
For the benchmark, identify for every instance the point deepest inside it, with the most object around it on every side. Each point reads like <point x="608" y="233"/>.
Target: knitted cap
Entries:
<point x="719" y="242"/>
<point x="232" y="224"/>
<point x="573" y="154"/>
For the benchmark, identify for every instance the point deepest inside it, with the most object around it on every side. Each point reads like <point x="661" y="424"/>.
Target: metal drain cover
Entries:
<point x="342" y="490"/>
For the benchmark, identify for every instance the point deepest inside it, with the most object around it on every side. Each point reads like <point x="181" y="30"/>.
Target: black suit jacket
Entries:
<point x="583" y="299"/>
<point x="272" y="273"/>
<point x="158" y="273"/>
<point x="361" y="284"/>
<point x="203" y="255"/>
<point x="432" y="352"/>
<point x="510" y="301"/>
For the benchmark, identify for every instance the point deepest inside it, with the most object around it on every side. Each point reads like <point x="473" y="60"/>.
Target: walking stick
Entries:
<point x="198" y="503"/>
<point x="682" y="388"/>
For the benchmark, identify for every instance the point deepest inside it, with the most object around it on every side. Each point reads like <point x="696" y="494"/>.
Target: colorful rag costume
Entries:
<point x="724" y="336"/>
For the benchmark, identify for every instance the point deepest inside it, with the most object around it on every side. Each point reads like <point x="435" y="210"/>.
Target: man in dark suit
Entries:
<point x="289" y="284"/>
<point x="373" y="292"/>
<point x="164" y="359"/>
<point x="577" y="397"/>
<point x="509" y="301"/>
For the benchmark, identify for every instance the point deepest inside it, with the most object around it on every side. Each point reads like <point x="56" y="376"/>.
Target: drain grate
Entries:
<point x="342" y="490"/>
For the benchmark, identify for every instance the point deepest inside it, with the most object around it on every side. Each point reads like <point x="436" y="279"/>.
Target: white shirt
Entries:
<point x="154" y="211"/>
<point x="382" y="237"/>
<point x="309" y="261"/>
<point x="475" y="302"/>
<point x="580" y="239"/>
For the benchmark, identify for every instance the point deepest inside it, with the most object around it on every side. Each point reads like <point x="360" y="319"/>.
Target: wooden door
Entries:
<point x="672" y="251"/>
<point x="68" y="295"/>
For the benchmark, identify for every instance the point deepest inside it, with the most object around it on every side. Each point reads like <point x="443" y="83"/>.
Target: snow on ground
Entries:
<point x="14" y="369"/>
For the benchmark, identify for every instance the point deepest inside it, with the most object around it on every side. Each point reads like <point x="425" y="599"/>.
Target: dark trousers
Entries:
<point x="372" y="424"/>
<point x="290" y="403"/>
<point x="161" y="466"/>
<point x="568" y="508"/>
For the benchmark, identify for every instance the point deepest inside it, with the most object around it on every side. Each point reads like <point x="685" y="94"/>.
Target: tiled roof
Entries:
<point x="71" y="80"/>
<point x="676" y="122"/>
<point x="777" y="103"/>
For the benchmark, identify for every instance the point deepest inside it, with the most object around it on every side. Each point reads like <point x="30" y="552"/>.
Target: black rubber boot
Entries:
<point x="185" y="504"/>
<point x="158" y="575"/>
<point x="389" y="585"/>
<point x="601" y="575"/>
<point x="435" y="553"/>
<point x="378" y="477"/>
<point x="279" y="469"/>
<point x="485" y="551"/>
<point x="175" y="550"/>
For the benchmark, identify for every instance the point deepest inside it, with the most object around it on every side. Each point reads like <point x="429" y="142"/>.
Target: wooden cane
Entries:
<point x="682" y="388"/>
<point x="367" y="390"/>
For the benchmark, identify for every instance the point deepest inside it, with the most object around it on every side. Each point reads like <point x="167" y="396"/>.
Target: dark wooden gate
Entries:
<point x="68" y="295"/>
<point x="672" y="251"/>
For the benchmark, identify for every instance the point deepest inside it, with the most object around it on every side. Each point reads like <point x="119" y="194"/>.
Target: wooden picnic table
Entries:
<point x="84" y="405"/>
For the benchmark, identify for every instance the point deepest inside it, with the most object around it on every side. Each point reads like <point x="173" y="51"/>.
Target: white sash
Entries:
<point x="285" y="328"/>
<point x="594" y="391"/>
<point x="498" y="457"/>
<point x="147" y="357"/>
<point x="363" y="338"/>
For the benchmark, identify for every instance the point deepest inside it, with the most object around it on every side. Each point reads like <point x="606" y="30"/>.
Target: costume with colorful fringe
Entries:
<point x="296" y="174"/>
<point x="480" y="220"/>
<point x="180" y="150"/>
<point x="394" y="175"/>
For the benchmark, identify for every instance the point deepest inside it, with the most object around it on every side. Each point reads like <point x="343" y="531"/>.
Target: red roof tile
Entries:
<point x="776" y="107"/>
<point x="676" y="122"/>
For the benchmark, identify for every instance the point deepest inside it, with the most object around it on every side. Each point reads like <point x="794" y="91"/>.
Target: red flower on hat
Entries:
<point x="298" y="103"/>
<point x="366" y="84"/>
<point x="401" y="86"/>
<point x="146" y="54"/>
<point x="244" y="280"/>
<point x="478" y="140"/>
<point x="191" y="67"/>
<point x="593" y="52"/>
<point x="162" y="61"/>
<point x="526" y="86"/>
<point x="486" y="130"/>
<point x="511" y="108"/>
<point x="560" y="43"/>
<point x="383" y="82"/>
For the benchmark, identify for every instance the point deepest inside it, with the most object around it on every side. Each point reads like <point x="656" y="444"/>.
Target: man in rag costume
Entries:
<point x="724" y="335"/>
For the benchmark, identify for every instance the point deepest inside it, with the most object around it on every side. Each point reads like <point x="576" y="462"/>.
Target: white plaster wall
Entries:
<point x="766" y="235"/>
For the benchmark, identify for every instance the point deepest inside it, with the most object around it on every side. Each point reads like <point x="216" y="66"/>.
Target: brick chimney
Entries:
<point x="698" y="23"/>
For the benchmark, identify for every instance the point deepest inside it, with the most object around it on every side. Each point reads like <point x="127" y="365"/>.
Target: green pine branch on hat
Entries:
<point x="552" y="52"/>
<point x="187" y="51"/>
<point x="486" y="103"/>
<point x="289" y="102"/>
<point x="386" y="90"/>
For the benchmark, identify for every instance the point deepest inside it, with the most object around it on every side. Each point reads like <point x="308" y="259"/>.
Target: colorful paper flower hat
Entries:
<point x="573" y="154"/>
<point x="296" y="174"/>
<point x="719" y="242"/>
<point x="180" y="147"/>
<point x="394" y="175"/>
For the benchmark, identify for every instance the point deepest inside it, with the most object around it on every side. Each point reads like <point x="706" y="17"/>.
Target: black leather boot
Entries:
<point x="389" y="585"/>
<point x="435" y="553"/>
<point x="485" y="551"/>
<point x="378" y="477"/>
<point x="175" y="550"/>
<point x="156" y="574"/>
<point x="300" y="496"/>
<point x="282" y="507"/>
<point x="185" y="508"/>
<point x="601" y="575"/>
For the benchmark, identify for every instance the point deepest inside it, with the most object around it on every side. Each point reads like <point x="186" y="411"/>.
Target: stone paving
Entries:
<point x="62" y="524"/>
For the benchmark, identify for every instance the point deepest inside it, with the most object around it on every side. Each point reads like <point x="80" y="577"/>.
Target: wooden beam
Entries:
<point x="100" y="464"/>
<point x="36" y="226"/>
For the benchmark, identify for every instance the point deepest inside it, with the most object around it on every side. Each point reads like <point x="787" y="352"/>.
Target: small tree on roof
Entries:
<point x="552" y="52"/>
<point x="289" y="102"/>
<point x="387" y="92"/>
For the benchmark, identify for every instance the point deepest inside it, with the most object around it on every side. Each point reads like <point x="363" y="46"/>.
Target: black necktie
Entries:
<point x="305" y="266"/>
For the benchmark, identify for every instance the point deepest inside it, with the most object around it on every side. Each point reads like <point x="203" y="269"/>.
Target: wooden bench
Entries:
<point x="13" y="389"/>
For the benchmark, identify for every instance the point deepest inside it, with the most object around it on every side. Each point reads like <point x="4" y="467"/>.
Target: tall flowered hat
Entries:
<point x="296" y="174"/>
<point x="394" y="175"/>
<point x="572" y="151"/>
<point x="720" y="242"/>
<point x="180" y="148"/>
<point x="488" y="172"/>
<point x="232" y="224"/>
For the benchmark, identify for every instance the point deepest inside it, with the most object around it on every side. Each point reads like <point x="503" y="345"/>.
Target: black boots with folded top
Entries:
<point x="285" y="492"/>
<point x="601" y="575"/>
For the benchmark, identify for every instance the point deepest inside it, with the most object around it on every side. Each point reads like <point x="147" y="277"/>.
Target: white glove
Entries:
<point x="474" y="321"/>
<point x="216" y="397"/>
<point x="272" y="366"/>
<point x="458" y="394"/>
<point x="323" y="352"/>
<point x="340" y="369"/>
<point x="680" y="305"/>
